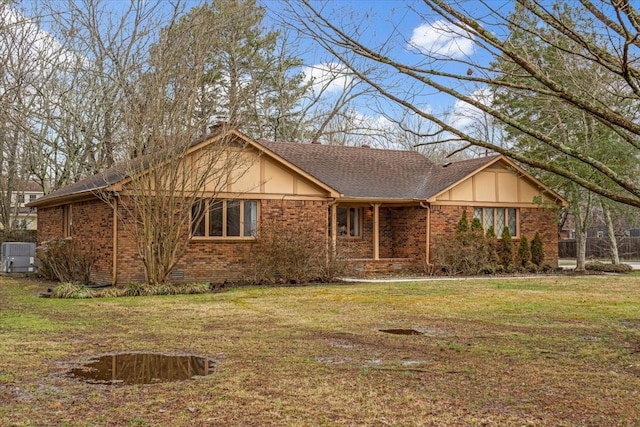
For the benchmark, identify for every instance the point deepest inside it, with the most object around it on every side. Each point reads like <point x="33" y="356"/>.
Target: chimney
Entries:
<point x="316" y="142"/>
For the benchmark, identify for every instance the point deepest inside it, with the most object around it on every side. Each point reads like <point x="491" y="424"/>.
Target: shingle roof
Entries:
<point x="111" y="176"/>
<point x="89" y="184"/>
<point x="355" y="172"/>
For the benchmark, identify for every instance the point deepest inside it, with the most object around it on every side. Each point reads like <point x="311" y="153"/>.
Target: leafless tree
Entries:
<point x="447" y="66"/>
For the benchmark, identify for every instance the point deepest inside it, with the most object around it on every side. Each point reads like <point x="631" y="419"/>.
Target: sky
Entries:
<point x="404" y="34"/>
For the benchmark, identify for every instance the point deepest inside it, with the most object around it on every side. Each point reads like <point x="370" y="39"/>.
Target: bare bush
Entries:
<point x="64" y="261"/>
<point x="293" y="253"/>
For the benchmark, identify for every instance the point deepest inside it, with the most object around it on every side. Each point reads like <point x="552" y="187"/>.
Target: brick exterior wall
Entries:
<point x="219" y="260"/>
<point x="92" y="231"/>
<point x="402" y="236"/>
<point x="545" y="222"/>
<point x="50" y="224"/>
<point x="358" y="247"/>
<point x="444" y="219"/>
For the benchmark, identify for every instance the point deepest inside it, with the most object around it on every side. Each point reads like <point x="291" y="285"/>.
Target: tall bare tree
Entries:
<point x="471" y="37"/>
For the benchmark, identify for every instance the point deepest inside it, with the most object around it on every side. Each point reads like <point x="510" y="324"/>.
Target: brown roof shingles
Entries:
<point x="355" y="172"/>
<point x="358" y="172"/>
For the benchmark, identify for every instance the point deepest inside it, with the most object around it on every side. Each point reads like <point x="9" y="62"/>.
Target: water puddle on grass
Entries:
<point x="142" y="368"/>
<point x="401" y="331"/>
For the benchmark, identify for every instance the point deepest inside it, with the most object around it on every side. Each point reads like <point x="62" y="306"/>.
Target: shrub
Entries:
<point x="293" y="253"/>
<point x="608" y="268"/>
<point x="64" y="261"/>
<point x="467" y="253"/>
<point x="72" y="290"/>
<point x="506" y="251"/>
<point x="524" y="252"/>
<point x="463" y="225"/>
<point x="537" y="250"/>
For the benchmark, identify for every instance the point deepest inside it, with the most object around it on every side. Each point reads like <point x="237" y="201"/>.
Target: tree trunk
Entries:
<point x="613" y="242"/>
<point x="581" y="248"/>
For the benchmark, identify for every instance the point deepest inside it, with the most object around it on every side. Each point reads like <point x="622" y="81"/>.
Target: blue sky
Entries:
<point x="405" y="35"/>
<point x="388" y="24"/>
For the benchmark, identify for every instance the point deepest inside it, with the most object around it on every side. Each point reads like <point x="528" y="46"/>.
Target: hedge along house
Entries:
<point x="383" y="210"/>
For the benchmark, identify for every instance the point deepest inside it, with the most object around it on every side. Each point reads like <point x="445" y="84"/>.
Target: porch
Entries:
<point x="380" y="238"/>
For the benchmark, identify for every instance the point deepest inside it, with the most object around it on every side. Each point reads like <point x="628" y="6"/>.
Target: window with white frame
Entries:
<point x="498" y="218"/>
<point x="224" y="218"/>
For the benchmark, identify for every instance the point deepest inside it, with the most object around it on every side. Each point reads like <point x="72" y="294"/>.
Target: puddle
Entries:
<point x="401" y="331"/>
<point x="142" y="368"/>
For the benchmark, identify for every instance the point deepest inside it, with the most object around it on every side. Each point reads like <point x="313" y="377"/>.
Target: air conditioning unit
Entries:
<point x="18" y="257"/>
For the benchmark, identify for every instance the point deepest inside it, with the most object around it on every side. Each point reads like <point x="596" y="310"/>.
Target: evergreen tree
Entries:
<point x="506" y="249"/>
<point x="463" y="224"/>
<point x="524" y="252"/>
<point x="537" y="250"/>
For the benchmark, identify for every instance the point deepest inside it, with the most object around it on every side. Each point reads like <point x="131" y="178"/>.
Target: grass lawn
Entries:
<point x="496" y="352"/>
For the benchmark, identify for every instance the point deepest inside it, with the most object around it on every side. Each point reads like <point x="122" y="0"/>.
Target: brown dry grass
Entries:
<point x="533" y="352"/>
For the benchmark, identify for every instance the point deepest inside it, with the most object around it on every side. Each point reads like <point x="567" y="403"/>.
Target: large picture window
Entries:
<point x="224" y="218"/>
<point x="498" y="218"/>
<point x="349" y="222"/>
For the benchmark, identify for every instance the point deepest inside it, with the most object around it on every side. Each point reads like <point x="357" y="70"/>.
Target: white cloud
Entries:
<point x="328" y="77"/>
<point x="465" y="115"/>
<point x="442" y="38"/>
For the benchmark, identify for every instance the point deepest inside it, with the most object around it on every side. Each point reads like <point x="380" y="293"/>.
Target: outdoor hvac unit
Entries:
<point x="18" y="257"/>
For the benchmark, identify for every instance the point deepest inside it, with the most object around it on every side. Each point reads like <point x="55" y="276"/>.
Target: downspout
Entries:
<point x="376" y="231"/>
<point x="334" y="232"/>
<point x="427" y="252"/>
<point x="114" y="267"/>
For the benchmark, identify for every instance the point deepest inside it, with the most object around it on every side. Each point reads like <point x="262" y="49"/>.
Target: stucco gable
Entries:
<point x="498" y="181"/>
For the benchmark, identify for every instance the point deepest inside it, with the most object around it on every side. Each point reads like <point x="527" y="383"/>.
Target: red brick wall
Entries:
<point x="219" y="260"/>
<point x="92" y="231"/>
<point x="49" y="223"/>
<point x="445" y="218"/>
<point x="545" y="222"/>
<point x="358" y="247"/>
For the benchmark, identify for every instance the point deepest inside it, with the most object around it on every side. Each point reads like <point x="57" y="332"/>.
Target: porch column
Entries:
<point x="376" y="231"/>
<point x="334" y="228"/>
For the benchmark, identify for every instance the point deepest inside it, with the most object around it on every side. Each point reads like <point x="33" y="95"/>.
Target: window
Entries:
<point x="349" y="222"/>
<point x="498" y="218"/>
<point x="224" y="218"/>
<point x="32" y="197"/>
<point x="67" y="220"/>
<point x="21" y="198"/>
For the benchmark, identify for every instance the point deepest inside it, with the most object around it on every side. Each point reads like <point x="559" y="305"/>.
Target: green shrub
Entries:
<point x="506" y="251"/>
<point x="72" y="290"/>
<point x="463" y="225"/>
<point x="537" y="250"/>
<point x="194" y="288"/>
<point x="608" y="268"/>
<point x="524" y="252"/>
<point x="136" y="290"/>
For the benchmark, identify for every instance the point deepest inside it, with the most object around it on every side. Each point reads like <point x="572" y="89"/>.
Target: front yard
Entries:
<point x="541" y="351"/>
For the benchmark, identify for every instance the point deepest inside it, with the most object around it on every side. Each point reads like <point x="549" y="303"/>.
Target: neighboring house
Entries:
<point x="384" y="210"/>
<point x="23" y="217"/>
